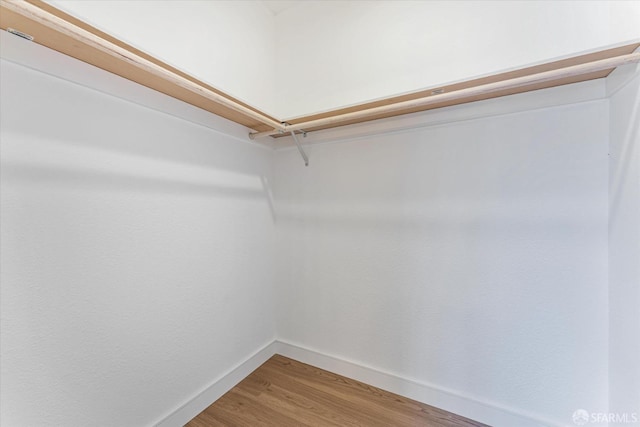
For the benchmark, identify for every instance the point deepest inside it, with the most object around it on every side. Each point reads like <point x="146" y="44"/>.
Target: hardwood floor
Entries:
<point x="284" y="392"/>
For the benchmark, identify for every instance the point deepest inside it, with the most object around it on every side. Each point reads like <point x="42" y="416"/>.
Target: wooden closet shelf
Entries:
<point x="62" y="32"/>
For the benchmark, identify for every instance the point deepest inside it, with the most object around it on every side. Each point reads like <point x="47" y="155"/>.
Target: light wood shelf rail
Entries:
<point x="524" y="80"/>
<point x="57" y="30"/>
<point x="62" y="32"/>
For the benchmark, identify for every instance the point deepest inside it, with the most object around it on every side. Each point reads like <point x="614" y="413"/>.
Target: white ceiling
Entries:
<point x="277" y="6"/>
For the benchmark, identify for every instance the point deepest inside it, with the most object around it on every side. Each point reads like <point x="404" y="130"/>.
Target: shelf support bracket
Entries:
<point x="300" y="149"/>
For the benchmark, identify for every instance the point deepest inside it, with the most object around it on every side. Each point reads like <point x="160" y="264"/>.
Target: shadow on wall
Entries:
<point x="86" y="118"/>
<point x="59" y="133"/>
<point x="630" y="144"/>
<point x="95" y="180"/>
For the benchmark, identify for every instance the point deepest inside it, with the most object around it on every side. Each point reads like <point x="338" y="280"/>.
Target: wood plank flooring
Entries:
<point x="284" y="392"/>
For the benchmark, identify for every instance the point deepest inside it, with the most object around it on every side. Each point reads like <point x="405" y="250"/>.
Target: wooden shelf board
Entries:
<point x="67" y="45"/>
<point x="70" y="46"/>
<point x="581" y="59"/>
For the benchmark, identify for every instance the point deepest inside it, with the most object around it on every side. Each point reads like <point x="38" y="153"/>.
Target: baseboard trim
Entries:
<point x="486" y="412"/>
<point x="476" y="409"/>
<point x="220" y="386"/>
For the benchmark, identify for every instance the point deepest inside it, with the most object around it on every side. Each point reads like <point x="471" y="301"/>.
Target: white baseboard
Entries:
<point x="223" y="384"/>
<point x="470" y="407"/>
<point x="475" y="409"/>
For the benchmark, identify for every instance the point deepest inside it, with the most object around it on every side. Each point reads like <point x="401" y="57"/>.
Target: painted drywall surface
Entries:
<point x="136" y="256"/>
<point x="331" y="54"/>
<point x="227" y="44"/>
<point x="470" y="256"/>
<point x="624" y="249"/>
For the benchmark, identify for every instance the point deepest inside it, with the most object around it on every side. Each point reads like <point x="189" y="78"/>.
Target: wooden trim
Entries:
<point x="57" y="30"/>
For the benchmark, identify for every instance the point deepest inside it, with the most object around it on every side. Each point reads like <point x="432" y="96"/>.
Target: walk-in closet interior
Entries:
<point x="435" y="204"/>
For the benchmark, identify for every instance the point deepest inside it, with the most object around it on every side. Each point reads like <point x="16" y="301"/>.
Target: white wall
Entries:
<point x="470" y="256"/>
<point x="362" y="50"/>
<point x="136" y="254"/>
<point x="228" y="44"/>
<point x="624" y="247"/>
